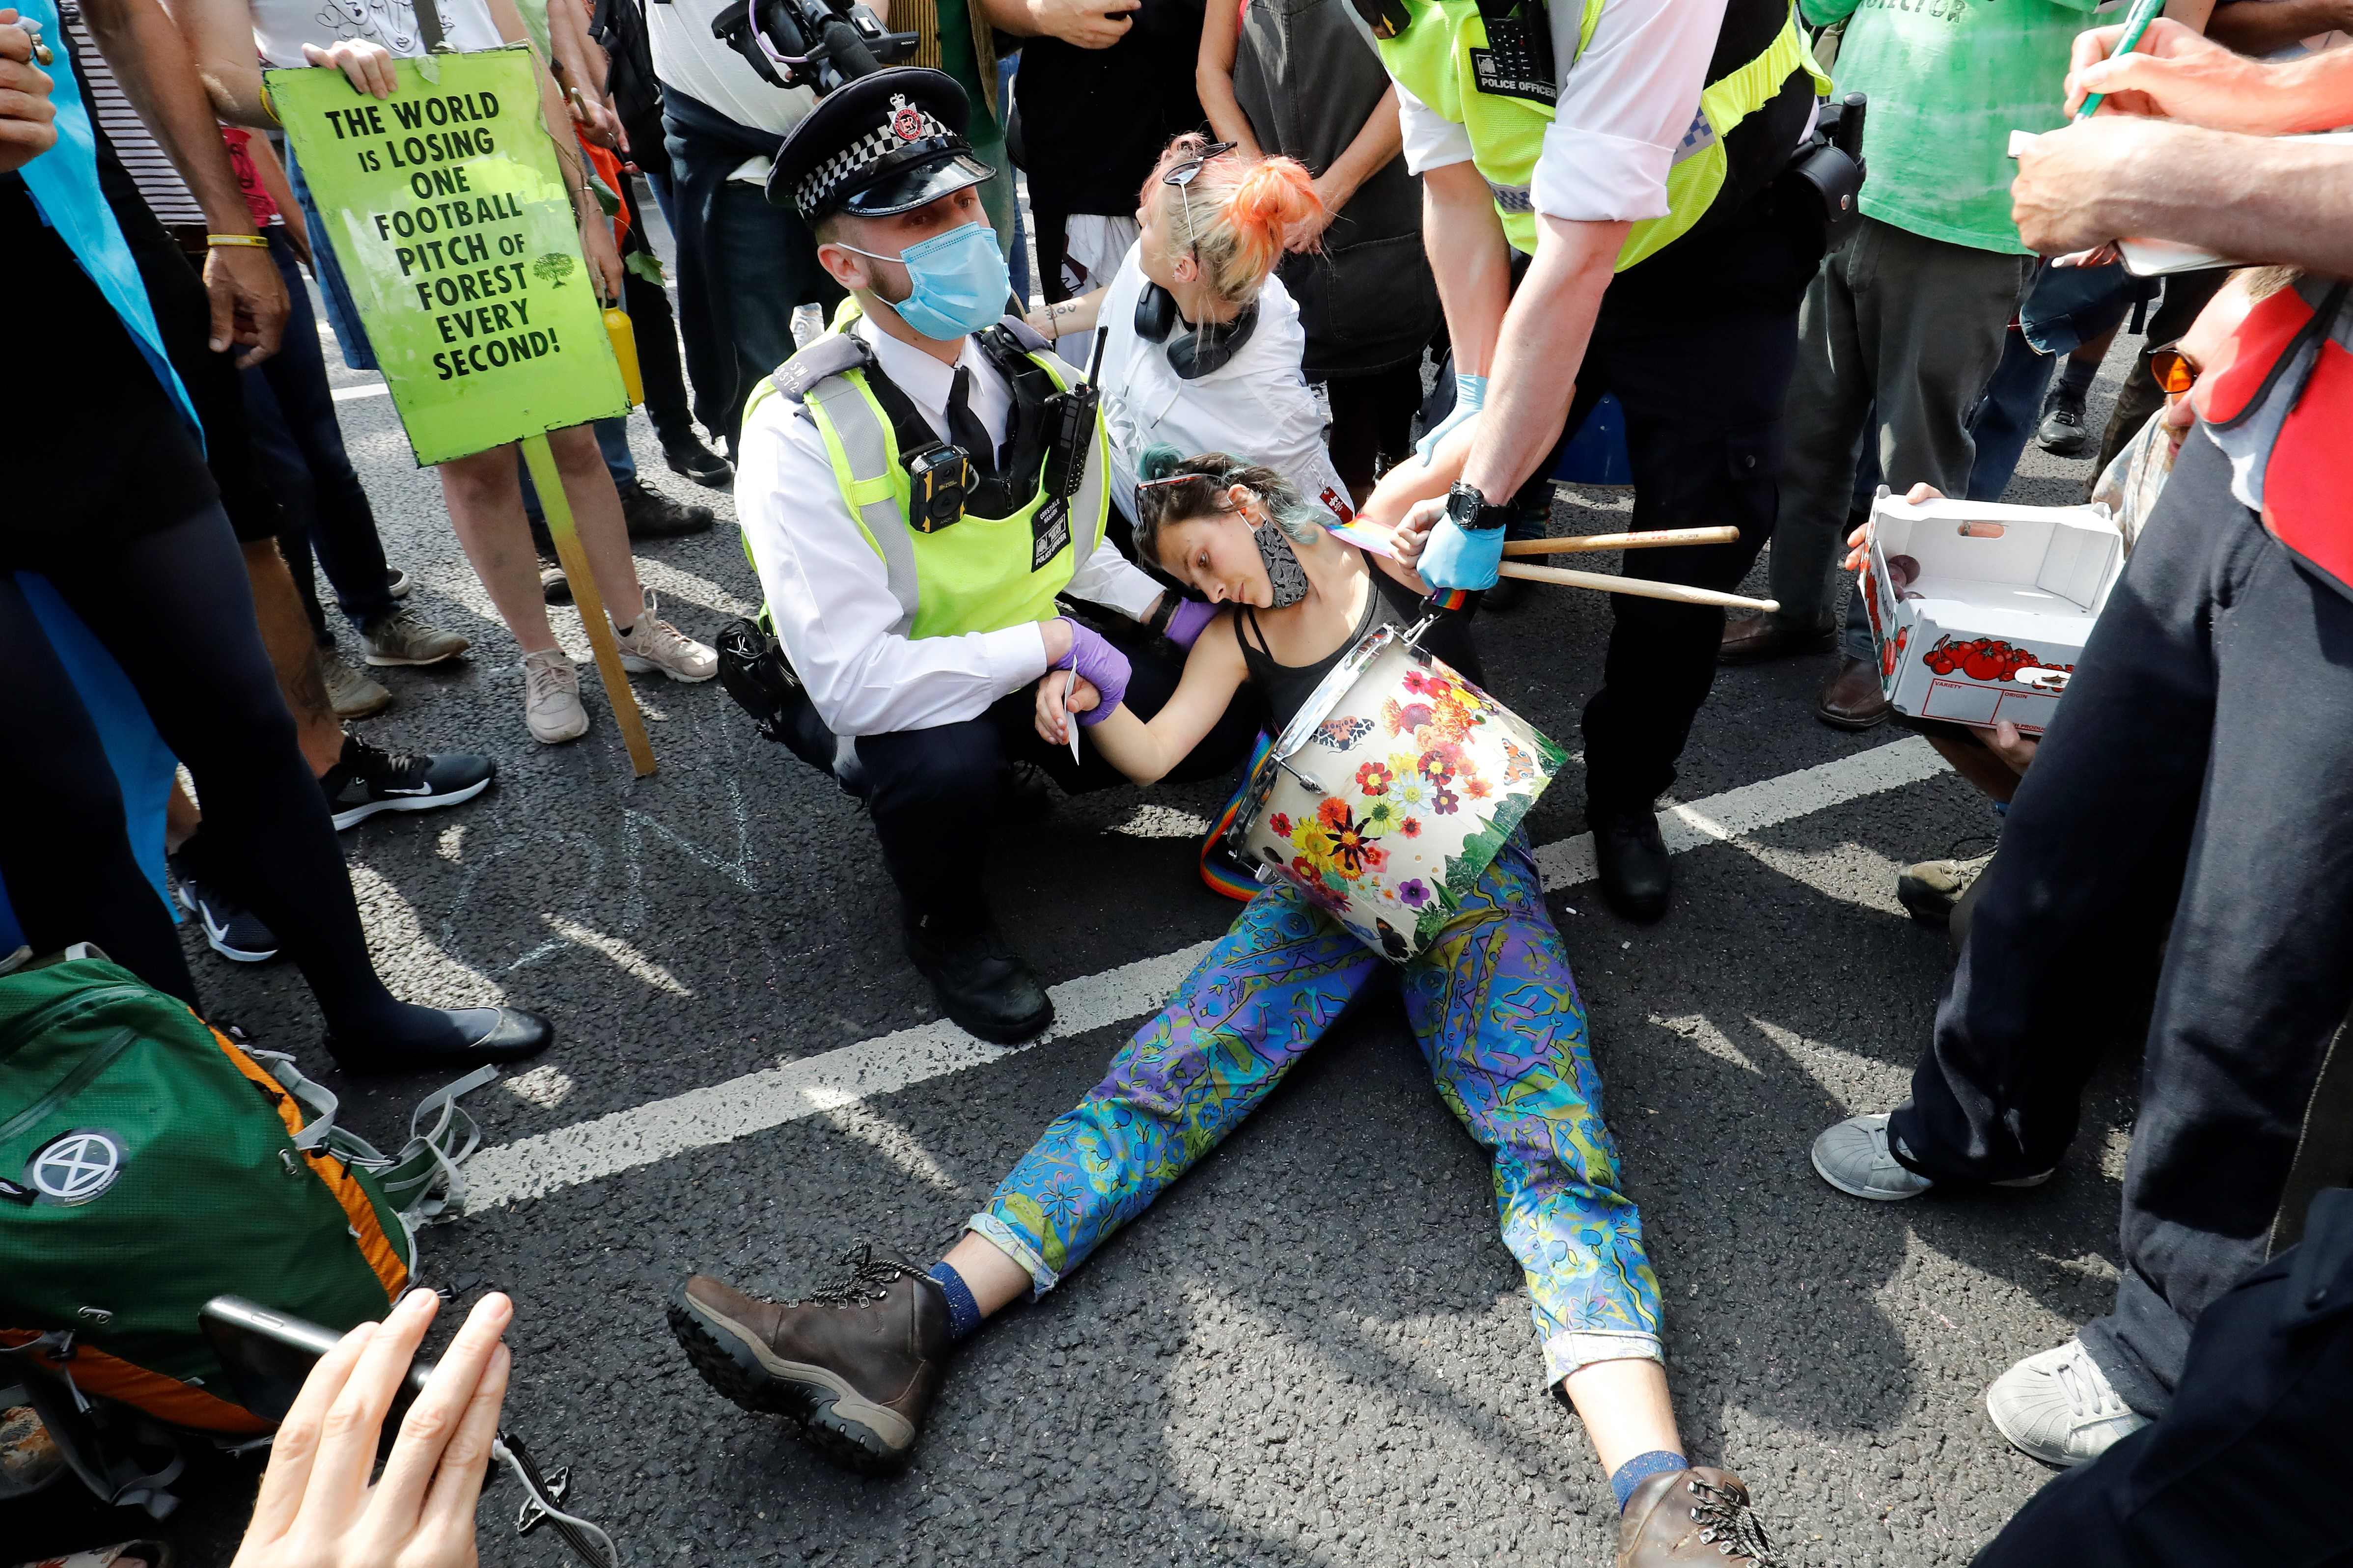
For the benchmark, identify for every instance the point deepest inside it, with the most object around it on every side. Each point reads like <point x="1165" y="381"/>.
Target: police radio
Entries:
<point x="1070" y="427"/>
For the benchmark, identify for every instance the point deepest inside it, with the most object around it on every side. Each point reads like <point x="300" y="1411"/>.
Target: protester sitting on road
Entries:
<point x="1205" y="343"/>
<point x="481" y="491"/>
<point x="915" y="625"/>
<point x="2200" y="770"/>
<point x="126" y="521"/>
<point x="1491" y="1001"/>
<point x="1306" y="81"/>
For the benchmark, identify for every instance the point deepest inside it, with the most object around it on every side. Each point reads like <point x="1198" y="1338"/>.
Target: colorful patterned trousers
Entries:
<point x="1498" y="1017"/>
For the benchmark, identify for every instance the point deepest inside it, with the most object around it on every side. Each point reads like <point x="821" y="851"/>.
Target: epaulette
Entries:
<point x="828" y="356"/>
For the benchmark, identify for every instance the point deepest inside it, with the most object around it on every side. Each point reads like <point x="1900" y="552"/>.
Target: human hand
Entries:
<point x="2005" y="741"/>
<point x="1188" y="621"/>
<point x="1307" y="233"/>
<point x="366" y="66"/>
<point x="1454" y="556"/>
<point x="316" y="1509"/>
<point x="1097" y="663"/>
<point x="603" y="256"/>
<point x="1053" y="727"/>
<point x="248" y="301"/>
<point x="2077" y="186"/>
<point x="1088" y="23"/>
<point x="27" y="119"/>
<point x="595" y="122"/>
<point x="2176" y="74"/>
<point x="1470" y="392"/>
<point x="1411" y="537"/>
<point x="1858" y="543"/>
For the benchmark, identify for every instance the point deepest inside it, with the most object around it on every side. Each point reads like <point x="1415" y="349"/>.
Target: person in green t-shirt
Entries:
<point x="1904" y="325"/>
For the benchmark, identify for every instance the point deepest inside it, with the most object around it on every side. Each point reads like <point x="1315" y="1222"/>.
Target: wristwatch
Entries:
<point x="1469" y="509"/>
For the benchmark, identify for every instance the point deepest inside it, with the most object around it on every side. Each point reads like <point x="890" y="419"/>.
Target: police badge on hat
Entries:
<point x="884" y="143"/>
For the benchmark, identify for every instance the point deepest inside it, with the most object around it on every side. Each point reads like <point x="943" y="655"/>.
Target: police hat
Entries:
<point x="878" y="144"/>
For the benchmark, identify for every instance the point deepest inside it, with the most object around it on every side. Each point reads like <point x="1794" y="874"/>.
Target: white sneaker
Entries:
<point x="551" y="698"/>
<point x="2059" y="1407"/>
<point x="1855" y="1157"/>
<point x="654" y="644"/>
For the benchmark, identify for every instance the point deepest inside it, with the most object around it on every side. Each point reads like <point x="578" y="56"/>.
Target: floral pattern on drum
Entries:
<point x="1392" y="791"/>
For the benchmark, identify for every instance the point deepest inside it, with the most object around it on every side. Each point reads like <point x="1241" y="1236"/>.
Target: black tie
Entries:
<point x="965" y="428"/>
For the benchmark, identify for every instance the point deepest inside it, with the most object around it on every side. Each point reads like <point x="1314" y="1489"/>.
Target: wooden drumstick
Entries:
<point x="1641" y="588"/>
<point x="1658" y="538"/>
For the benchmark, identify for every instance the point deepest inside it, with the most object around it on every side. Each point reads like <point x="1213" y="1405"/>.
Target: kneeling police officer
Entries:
<point x="917" y="488"/>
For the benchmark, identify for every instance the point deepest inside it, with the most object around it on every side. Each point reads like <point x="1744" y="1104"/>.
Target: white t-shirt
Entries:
<point x="280" y="28"/>
<point x="1256" y="406"/>
<point x="687" y="57"/>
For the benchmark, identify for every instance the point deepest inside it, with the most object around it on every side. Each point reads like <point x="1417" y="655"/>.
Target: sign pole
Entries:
<point x="588" y="600"/>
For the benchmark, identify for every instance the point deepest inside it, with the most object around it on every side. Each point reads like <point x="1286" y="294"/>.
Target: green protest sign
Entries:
<point x="446" y="207"/>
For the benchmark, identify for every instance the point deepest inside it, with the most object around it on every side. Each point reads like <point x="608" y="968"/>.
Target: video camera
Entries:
<point x="815" y="44"/>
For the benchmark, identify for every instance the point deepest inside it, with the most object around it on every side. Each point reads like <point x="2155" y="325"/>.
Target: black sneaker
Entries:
<point x="396" y="583"/>
<point x="690" y="458"/>
<point x="367" y="779"/>
<point x="652" y="515"/>
<point x="553" y="585"/>
<point x="2064" y="431"/>
<point x="1632" y="858"/>
<point x="231" y="929"/>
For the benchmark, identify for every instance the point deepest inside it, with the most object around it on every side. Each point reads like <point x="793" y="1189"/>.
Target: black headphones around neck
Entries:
<point x="1198" y="350"/>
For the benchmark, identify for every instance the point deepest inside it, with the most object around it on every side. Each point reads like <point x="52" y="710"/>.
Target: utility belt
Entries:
<point x="1829" y="164"/>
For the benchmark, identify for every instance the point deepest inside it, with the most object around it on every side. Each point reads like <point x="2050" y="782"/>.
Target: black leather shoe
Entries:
<point x="1632" y="858"/>
<point x="477" y="1037"/>
<point x="983" y="985"/>
<point x="690" y="458"/>
<point x="650" y="514"/>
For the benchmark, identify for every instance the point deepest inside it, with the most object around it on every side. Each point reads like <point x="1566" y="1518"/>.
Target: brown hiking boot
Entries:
<point x="857" y="1365"/>
<point x="1699" y="1515"/>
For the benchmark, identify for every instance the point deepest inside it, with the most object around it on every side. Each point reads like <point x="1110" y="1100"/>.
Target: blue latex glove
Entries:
<point x="1456" y="558"/>
<point x="1470" y="392"/>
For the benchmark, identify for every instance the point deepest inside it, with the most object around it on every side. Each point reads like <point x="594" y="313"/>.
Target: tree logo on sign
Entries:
<point x="552" y="269"/>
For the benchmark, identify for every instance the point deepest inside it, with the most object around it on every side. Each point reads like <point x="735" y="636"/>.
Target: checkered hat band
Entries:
<point x="820" y="181"/>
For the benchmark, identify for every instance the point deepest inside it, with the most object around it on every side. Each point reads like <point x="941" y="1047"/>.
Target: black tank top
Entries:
<point x="1287" y="687"/>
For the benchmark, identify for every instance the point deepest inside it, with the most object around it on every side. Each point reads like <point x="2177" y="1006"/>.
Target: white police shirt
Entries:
<point x="1622" y="113"/>
<point x="1256" y="406"/>
<point x="826" y="586"/>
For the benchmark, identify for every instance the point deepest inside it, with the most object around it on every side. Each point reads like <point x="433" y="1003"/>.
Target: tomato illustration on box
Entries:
<point x="1979" y="610"/>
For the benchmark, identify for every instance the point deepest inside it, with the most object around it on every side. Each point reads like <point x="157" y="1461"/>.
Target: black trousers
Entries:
<point x="934" y="793"/>
<point x="2201" y="768"/>
<point x="2248" y="1465"/>
<point x="1698" y="344"/>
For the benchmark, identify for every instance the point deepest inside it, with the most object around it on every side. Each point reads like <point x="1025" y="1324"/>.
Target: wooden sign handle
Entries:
<point x="589" y="600"/>
<point x="1640" y="588"/>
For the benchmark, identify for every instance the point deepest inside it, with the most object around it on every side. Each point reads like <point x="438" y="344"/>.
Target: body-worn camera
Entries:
<point x="939" y="482"/>
<point x="815" y="44"/>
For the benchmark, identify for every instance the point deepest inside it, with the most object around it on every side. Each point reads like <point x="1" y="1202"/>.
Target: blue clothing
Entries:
<point x="64" y="185"/>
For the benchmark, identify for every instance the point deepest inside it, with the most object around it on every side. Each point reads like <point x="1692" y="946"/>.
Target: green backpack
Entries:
<point x="148" y="1164"/>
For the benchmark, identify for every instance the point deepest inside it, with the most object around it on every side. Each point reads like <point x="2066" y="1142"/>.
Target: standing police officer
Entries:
<point x="1631" y="153"/>
<point x="917" y="487"/>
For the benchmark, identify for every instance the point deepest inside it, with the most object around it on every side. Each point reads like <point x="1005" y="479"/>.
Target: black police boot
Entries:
<point x="1633" y="860"/>
<point x="983" y="985"/>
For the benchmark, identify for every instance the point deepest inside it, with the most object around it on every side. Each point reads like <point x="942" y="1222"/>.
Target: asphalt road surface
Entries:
<point x="1315" y="1350"/>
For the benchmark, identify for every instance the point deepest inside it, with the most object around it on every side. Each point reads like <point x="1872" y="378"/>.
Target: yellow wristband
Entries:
<point x="222" y="239"/>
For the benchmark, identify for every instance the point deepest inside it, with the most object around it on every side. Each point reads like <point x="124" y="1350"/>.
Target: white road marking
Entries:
<point x="353" y="394"/>
<point x="721" y="1112"/>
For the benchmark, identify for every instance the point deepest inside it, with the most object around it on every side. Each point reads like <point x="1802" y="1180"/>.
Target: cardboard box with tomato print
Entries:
<point x="1979" y="611"/>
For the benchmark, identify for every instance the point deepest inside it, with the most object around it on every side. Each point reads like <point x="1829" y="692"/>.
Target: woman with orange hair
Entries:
<point x="1205" y="342"/>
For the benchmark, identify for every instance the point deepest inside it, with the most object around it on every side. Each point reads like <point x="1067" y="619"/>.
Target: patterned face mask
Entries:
<point x="1288" y="577"/>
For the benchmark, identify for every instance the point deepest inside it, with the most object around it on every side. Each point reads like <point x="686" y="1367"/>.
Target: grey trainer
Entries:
<point x="405" y="638"/>
<point x="2060" y="1407"/>
<point x="350" y="693"/>
<point x="1855" y="1157"/>
<point x="1929" y="888"/>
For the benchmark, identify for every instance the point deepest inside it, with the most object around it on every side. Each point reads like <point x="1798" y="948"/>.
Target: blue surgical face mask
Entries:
<point x="959" y="281"/>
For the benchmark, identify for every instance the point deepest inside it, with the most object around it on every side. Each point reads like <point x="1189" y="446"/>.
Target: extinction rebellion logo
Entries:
<point x="76" y="1167"/>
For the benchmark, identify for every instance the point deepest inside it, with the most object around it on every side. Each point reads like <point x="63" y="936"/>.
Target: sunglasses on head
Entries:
<point x="2174" y="372"/>
<point x="1184" y="174"/>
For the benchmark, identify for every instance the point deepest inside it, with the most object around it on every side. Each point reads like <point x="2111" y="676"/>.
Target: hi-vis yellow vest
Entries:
<point x="1437" y="57"/>
<point x="978" y="575"/>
